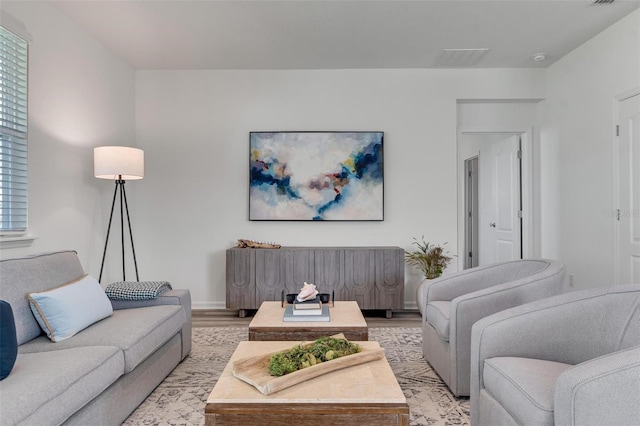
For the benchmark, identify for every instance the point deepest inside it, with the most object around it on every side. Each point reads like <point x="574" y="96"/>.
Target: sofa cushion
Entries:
<point x="523" y="386"/>
<point x="46" y="388"/>
<point x="438" y="317"/>
<point x="8" y="341"/>
<point x="34" y="273"/>
<point x="138" y="332"/>
<point x="65" y="310"/>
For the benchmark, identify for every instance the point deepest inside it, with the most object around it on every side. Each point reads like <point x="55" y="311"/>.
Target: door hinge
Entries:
<point x="617" y="130"/>
<point x="470" y="254"/>
<point x="618" y="214"/>
<point x="519" y="155"/>
<point x="519" y="214"/>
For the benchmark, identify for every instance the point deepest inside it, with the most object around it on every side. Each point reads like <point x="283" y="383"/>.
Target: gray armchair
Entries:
<point x="572" y="359"/>
<point x="453" y="303"/>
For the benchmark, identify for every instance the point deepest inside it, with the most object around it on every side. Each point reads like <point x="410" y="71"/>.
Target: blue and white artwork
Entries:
<point x="316" y="176"/>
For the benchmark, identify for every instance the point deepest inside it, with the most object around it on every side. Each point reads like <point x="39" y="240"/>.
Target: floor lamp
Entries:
<point x="119" y="163"/>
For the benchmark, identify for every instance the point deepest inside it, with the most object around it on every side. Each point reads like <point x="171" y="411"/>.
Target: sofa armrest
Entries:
<point x="170" y="297"/>
<point x="605" y="390"/>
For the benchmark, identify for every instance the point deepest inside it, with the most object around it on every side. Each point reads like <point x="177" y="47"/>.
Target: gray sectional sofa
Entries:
<point x="99" y="375"/>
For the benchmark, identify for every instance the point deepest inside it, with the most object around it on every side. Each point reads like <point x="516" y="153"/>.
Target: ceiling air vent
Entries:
<point x="602" y="1"/>
<point x="455" y="58"/>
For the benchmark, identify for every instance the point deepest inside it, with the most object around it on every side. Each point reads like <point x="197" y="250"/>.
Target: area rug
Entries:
<point x="181" y="397"/>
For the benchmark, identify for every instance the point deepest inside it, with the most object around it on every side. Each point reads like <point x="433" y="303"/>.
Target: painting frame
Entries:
<point x="316" y="176"/>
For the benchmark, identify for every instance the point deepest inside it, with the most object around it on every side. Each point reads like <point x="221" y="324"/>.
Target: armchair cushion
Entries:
<point x="438" y="317"/>
<point x="524" y="386"/>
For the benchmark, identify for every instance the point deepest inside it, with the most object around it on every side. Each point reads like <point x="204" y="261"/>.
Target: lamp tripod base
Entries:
<point x="119" y="188"/>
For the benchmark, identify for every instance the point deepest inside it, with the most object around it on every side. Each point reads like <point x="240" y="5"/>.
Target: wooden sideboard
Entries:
<point x="372" y="276"/>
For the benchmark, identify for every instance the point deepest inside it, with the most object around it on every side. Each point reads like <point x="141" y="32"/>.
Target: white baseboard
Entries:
<point x="208" y="305"/>
<point x="411" y="305"/>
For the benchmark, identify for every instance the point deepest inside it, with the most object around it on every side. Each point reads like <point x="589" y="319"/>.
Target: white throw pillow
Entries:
<point x="63" y="311"/>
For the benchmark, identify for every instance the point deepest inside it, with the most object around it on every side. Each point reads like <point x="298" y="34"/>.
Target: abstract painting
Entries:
<point x="321" y="176"/>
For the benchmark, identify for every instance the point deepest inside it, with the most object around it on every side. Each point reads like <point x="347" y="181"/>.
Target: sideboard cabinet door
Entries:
<point x="240" y="278"/>
<point x="297" y="265"/>
<point x="268" y="276"/>
<point x="390" y="279"/>
<point x="359" y="273"/>
<point x="328" y="268"/>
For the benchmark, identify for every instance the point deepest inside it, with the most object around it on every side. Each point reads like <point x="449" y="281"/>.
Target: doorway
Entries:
<point x="495" y="171"/>
<point x="627" y="214"/>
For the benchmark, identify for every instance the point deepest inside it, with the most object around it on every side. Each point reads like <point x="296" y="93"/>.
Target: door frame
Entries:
<point x="616" y="177"/>
<point x="526" y="186"/>
<point x="471" y="199"/>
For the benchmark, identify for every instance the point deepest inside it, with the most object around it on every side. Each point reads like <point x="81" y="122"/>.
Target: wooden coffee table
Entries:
<point x="365" y="394"/>
<point x="346" y="318"/>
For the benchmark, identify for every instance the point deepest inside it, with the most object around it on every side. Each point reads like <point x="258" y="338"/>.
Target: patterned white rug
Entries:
<point x="181" y="397"/>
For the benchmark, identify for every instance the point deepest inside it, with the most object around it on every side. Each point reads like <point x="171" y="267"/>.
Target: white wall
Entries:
<point x="577" y="140"/>
<point x="80" y="96"/>
<point x="194" y="127"/>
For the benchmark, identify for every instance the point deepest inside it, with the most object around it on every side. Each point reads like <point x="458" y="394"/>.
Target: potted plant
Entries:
<point x="432" y="260"/>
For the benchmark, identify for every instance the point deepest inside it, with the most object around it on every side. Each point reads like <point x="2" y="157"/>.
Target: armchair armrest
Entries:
<point x="472" y="307"/>
<point x="449" y="287"/>
<point x="570" y="328"/>
<point x="604" y="390"/>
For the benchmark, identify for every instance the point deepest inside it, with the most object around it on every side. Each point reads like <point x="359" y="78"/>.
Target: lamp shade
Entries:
<point x="118" y="162"/>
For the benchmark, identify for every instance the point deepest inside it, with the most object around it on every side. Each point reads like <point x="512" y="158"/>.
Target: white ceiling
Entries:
<point x="336" y="34"/>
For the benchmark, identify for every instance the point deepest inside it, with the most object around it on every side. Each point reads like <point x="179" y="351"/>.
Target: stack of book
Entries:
<point x="309" y="310"/>
<point x="308" y="307"/>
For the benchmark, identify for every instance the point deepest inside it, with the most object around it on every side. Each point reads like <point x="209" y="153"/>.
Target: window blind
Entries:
<point x="13" y="132"/>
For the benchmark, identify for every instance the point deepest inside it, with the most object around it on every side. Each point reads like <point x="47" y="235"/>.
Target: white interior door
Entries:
<point x="628" y="214"/>
<point x="500" y="206"/>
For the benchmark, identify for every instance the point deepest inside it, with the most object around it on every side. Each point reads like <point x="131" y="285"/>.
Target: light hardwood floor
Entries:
<point x="230" y="318"/>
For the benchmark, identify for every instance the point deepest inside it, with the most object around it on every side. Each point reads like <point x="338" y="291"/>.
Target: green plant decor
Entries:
<point x="431" y="259"/>
<point x="299" y="357"/>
